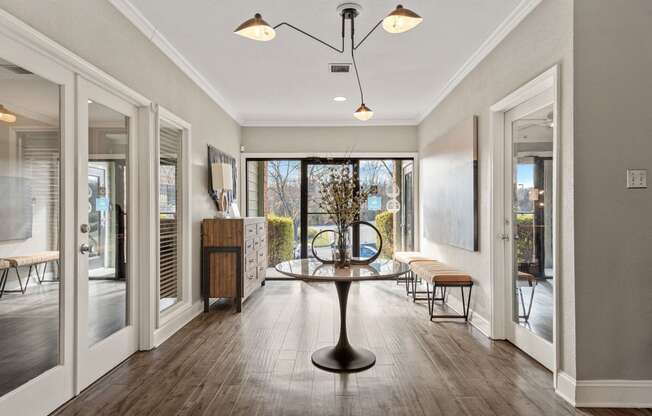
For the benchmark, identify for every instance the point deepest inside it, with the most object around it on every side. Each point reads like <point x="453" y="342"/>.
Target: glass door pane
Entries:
<point x="108" y="146"/>
<point x="317" y="219"/>
<point x="30" y="183"/>
<point x="532" y="210"/>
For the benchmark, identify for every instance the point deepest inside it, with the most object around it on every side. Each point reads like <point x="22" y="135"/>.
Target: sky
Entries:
<point x="525" y="175"/>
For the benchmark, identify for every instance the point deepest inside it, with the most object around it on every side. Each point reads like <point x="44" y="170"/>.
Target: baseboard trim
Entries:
<point x="175" y="324"/>
<point x="478" y="321"/>
<point x="605" y="393"/>
<point x="566" y="387"/>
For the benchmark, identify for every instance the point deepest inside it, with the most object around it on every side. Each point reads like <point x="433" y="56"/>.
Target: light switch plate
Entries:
<point x="636" y="178"/>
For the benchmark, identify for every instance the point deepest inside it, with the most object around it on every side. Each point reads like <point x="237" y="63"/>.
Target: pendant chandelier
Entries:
<point x="398" y="21"/>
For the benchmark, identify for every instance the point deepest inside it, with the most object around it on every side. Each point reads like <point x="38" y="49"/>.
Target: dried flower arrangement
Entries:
<point x="342" y="200"/>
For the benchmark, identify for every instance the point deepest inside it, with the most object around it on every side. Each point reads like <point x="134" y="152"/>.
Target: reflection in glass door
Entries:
<point x="107" y="328"/>
<point x="529" y="154"/>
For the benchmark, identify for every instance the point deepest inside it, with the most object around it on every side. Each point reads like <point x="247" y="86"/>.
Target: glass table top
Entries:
<point x="312" y="269"/>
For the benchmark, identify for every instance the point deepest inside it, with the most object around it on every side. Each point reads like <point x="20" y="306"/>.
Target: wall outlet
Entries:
<point x="636" y="178"/>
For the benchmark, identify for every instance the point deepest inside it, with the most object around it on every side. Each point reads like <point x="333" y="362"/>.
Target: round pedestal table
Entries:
<point x="343" y="357"/>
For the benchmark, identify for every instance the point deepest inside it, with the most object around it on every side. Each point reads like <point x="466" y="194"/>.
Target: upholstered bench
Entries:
<point x="443" y="276"/>
<point x="531" y="281"/>
<point x="32" y="261"/>
<point x="409" y="257"/>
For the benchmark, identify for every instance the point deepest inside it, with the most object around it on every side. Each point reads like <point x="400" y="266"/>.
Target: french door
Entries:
<point x="529" y="232"/>
<point x="106" y="249"/>
<point x="314" y="219"/>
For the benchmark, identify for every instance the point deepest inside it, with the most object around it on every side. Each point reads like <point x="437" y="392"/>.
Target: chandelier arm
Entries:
<point x="313" y="37"/>
<point x="355" y="66"/>
<point x="367" y="35"/>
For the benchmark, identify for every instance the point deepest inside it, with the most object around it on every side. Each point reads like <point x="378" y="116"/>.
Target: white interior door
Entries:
<point x="530" y="226"/>
<point x="107" y="320"/>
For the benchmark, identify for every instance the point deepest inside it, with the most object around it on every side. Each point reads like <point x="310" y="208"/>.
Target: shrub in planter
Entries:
<point x="280" y="239"/>
<point x="385" y="224"/>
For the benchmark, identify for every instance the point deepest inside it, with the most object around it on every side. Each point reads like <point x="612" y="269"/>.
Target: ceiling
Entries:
<point x="287" y="81"/>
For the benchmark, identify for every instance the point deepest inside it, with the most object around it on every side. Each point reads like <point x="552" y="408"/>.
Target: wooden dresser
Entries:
<point x="234" y="258"/>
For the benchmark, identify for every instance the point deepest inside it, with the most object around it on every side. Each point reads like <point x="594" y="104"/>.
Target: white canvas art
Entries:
<point x="449" y="166"/>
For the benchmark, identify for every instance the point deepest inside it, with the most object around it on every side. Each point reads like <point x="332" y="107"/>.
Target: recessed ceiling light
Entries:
<point x="339" y="99"/>
<point x="90" y="101"/>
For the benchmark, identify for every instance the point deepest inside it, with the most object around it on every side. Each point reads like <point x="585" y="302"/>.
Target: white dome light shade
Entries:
<point x="401" y="20"/>
<point x="6" y="115"/>
<point x="257" y="29"/>
<point x="363" y="113"/>
<point x="339" y="99"/>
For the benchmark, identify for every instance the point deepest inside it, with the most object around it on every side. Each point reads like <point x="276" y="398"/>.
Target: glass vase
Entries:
<point x="343" y="249"/>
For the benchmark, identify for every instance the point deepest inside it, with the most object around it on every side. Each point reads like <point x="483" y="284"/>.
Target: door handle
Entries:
<point x="84" y="248"/>
<point x="504" y="237"/>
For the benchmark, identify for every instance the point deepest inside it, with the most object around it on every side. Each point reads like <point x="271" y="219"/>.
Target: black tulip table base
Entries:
<point x="343" y="358"/>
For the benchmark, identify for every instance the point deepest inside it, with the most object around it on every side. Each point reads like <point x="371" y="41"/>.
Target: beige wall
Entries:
<point x="613" y="235"/>
<point x="97" y="32"/>
<point x="543" y="39"/>
<point x="329" y="139"/>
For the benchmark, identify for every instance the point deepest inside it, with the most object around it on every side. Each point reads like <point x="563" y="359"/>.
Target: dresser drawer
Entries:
<point x="249" y="248"/>
<point x="262" y="257"/>
<point x="250" y="263"/>
<point x="250" y="231"/>
<point x="260" y="228"/>
<point x="263" y="240"/>
<point x="257" y="244"/>
<point x="261" y="271"/>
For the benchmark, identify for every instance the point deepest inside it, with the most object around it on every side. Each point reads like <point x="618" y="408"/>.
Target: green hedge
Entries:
<point x="280" y="239"/>
<point x="385" y="224"/>
<point x="524" y="237"/>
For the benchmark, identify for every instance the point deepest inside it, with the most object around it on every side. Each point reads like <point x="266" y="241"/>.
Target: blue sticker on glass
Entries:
<point x="101" y="204"/>
<point x="374" y="203"/>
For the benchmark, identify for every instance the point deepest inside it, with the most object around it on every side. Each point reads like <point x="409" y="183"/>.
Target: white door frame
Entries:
<point x="500" y="283"/>
<point x="52" y="388"/>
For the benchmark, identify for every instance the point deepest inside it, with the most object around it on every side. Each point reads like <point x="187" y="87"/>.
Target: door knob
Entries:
<point x="503" y="237"/>
<point x="84" y="228"/>
<point x="84" y="248"/>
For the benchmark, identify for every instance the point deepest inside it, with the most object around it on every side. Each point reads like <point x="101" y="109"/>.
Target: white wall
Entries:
<point x="543" y="39"/>
<point x="329" y="139"/>
<point x="613" y="236"/>
<point x="96" y="31"/>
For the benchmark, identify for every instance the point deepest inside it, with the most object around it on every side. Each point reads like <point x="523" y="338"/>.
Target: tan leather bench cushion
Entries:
<point x="408" y="257"/>
<point x="441" y="274"/>
<point x="526" y="277"/>
<point x="35" y="258"/>
<point x="4" y="264"/>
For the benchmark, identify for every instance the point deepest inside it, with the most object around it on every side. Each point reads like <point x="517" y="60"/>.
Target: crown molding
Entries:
<point x="328" y="123"/>
<point x="505" y="28"/>
<point x="149" y="30"/>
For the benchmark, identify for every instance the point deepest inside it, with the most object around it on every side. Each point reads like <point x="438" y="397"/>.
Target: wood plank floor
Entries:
<point x="258" y="363"/>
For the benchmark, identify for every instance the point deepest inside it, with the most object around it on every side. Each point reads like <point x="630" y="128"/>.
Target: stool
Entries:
<point x="444" y="276"/>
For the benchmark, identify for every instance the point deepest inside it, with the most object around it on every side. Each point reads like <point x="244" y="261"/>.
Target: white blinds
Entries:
<point x="169" y="212"/>
<point x="40" y="163"/>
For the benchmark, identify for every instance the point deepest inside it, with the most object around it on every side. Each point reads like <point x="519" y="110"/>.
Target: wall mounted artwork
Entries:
<point x="449" y="172"/>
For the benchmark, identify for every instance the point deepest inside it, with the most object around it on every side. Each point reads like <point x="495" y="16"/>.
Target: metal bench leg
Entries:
<point x="430" y="302"/>
<point x="3" y="281"/>
<point x="29" y="274"/>
<point x="526" y="315"/>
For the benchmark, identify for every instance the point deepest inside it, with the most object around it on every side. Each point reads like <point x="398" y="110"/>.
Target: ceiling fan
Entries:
<point x="398" y="21"/>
